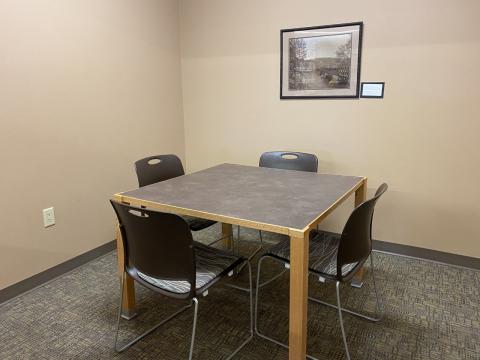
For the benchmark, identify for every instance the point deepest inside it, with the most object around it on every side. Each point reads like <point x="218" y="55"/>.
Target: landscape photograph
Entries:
<point x="320" y="62"/>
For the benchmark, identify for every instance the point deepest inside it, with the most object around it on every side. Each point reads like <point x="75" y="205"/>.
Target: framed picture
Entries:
<point x="372" y="90"/>
<point x="321" y="61"/>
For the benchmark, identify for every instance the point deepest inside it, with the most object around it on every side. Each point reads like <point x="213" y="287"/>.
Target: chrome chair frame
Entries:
<point x="378" y="307"/>
<point x="195" y="302"/>
<point x="254" y="252"/>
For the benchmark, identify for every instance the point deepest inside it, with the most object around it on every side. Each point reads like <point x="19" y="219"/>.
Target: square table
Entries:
<point x="281" y="201"/>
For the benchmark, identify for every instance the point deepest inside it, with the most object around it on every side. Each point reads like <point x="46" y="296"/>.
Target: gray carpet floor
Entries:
<point x="432" y="311"/>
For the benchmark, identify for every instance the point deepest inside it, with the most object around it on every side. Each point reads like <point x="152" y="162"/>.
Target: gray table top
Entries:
<point x="284" y="198"/>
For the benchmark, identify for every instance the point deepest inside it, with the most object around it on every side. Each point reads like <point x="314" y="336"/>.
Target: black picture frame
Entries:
<point x="371" y="96"/>
<point x="353" y="91"/>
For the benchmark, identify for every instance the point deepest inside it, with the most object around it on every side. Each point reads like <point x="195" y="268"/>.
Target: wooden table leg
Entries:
<point x="128" y="303"/>
<point x="360" y="196"/>
<point x="227" y="233"/>
<point x="298" y="297"/>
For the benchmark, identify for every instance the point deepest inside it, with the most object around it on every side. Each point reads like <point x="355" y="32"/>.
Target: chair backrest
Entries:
<point x="356" y="240"/>
<point x="289" y="160"/>
<point x="159" y="245"/>
<point x="158" y="168"/>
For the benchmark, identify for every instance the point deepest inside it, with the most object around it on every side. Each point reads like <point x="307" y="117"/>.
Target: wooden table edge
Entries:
<point x="295" y="232"/>
<point x="201" y="214"/>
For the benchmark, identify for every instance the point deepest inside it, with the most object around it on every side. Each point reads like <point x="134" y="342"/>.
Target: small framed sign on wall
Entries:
<point x="373" y="90"/>
<point x="321" y="61"/>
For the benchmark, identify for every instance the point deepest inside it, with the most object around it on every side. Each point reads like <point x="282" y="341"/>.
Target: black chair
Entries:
<point x="158" y="168"/>
<point x="334" y="257"/>
<point x="287" y="160"/>
<point x="161" y="255"/>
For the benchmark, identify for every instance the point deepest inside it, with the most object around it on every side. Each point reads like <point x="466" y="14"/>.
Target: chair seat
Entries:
<point x="211" y="263"/>
<point x="197" y="224"/>
<point x="322" y="257"/>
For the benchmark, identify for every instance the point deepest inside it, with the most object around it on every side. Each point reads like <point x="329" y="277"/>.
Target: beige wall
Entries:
<point x="422" y="139"/>
<point x="86" y="87"/>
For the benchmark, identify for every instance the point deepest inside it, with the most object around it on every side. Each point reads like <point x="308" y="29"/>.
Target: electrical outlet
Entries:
<point x="48" y="217"/>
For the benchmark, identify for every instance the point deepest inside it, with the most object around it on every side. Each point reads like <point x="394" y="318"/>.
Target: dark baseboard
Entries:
<point x="427" y="254"/>
<point x="49" y="274"/>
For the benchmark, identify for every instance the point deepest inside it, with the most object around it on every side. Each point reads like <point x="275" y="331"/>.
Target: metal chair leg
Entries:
<point x="257" y="292"/>
<point x="250" y="282"/>
<point x="215" y="241"/>
<point x="129" y="344"/>
<point x="341" y="321"/>
<point x="251" y="314"/>
<point x="379" y="307"/>
<point x="252" y="255"/>
<point x="259" y="286"/>
<point x="194" y="329"/>
<point x="366" y="317"/>
<point x="378" y="303"/>
<point x="256" y="311"/>
<point x="122" y="279"/>
<point x="195" y="315"/>
<point x="273" y="278"/>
